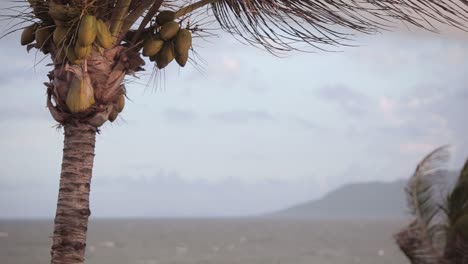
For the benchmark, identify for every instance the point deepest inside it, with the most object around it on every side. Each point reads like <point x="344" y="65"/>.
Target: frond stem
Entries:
<point x="134" y="15"/>
<point x="118" y="17"/>
<point x="187" y="9"/>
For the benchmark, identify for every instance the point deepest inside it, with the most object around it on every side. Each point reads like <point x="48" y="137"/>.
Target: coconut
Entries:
<point x="27" y="36"/>
<point x="165" y="16"/>
<point x="82" y="52"/>
<point x="165" y="56"/>
<point x="182" y="58"/>
<point x="60" y="34"/>
<point x="71" y="56"/>
<point x="87" y="31"/>
<point x="80" y="96"/>
<point x="103" y="35"/>
<point x="121" y="103"/>
<point x="62" y="13"/>
<point x="152" y="46"/>
<point x="113" y="115"/>
<point x="43" y="34"/>
<point x="169" y="30"/>
<point x="183" y="41"/>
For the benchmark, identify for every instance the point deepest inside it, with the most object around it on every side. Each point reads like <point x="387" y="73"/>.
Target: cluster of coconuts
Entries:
<point x="169" y="42"/>
<point x="74" y="43"/>
<point x="71" y="34"/>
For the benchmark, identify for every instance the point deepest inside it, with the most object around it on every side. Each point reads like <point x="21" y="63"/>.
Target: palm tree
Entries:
<point x="438" y="233"/>
<point x="95" y="44"/>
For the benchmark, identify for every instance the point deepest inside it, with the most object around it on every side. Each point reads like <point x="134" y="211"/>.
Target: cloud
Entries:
<point x="305" y="123"/>
<point x="179" y="116"/>
<point x="23" y="114"/>
<point x="457" y="54"/>
<point x="231" y="65"/>
<point x="419" y="148"/>
<point x="7" y="77"/>
<point x="422" y="119"/>
<point x="242" y="116"/>
<point x="389" y="109"/>
<point x="225" y="65"/>
<point x="351" y="101"/>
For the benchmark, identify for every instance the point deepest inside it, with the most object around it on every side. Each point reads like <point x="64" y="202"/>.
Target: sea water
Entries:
<point x="213" y="241"/>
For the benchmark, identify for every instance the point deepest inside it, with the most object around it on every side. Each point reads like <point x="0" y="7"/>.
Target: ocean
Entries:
<point x="213" y="241"/>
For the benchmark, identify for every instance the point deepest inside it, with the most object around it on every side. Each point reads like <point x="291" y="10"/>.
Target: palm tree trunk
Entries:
<point x="71" y="219"/>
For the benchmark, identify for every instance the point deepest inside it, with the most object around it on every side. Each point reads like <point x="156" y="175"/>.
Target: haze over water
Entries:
<point x="213" y="241"/>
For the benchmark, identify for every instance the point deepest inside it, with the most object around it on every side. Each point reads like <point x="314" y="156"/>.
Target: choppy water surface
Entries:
<point x="226" y="241"/>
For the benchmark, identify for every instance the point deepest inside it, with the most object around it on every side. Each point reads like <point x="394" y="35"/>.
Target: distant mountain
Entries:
<point x="357" y="200"/>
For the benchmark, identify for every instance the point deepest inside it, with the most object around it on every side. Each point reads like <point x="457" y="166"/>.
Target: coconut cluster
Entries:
<point x="70" y="34"/>
<point x="168" y="41"/>
<point x="73" y="44"/>
<point x="83" y="88"/>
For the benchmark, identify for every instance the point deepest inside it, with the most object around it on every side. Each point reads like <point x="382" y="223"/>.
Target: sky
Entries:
<point x="247" y="133"/>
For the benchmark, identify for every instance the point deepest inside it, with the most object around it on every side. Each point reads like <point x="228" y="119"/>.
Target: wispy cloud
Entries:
<point x="418" y="148"/>
<point x="242" y="116"/>
<point x="390" y="111"/>
<point x="19" y="113"/>
<point x="351" y="101"/>
<point x="304" y="123"/>
<point x="231" y="65"/>
<point x="174" y="115"/>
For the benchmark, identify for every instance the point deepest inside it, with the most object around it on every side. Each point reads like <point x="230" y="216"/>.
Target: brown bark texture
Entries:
<point x="71" y="219"/>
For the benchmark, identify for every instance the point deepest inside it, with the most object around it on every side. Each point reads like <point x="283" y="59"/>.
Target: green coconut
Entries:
<point x="165" y="56"/>
<point x="43" y="34"/>
<point x="152" y="46"/>
<point x="87" y="31"/>
<point x="28" y="36"/>
<point x="80" y="96"/>
<point x="82" y="52"/>
<point x="165" y="16"/>
<point x="183" y="41"/>
<point x="103" y="35"/>
<point x="169" y="30"/>
<point x="60" y="34"/>
<point x="182" y="58"/>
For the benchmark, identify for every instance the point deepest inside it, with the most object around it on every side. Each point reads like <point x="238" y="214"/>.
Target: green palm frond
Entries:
<point x="461" y="249"/>
<point x="456" y="250"/>
<point x="281" y="24"/>
<point x="457" y="201"/>
<point x="464" y="173"/>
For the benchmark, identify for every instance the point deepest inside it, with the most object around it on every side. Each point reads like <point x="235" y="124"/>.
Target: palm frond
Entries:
<point x="279" y="25"/>
<point x="423" y="241"/>
<point x="457" y="201"/>
<point x="461" y="247"/>
<point x="419" y="191"/>
<point x="414" y="244"/>
<point x="457" y="250"/>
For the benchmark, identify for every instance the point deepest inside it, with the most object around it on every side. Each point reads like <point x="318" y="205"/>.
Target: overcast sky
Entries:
<point x="248" y="134"/>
